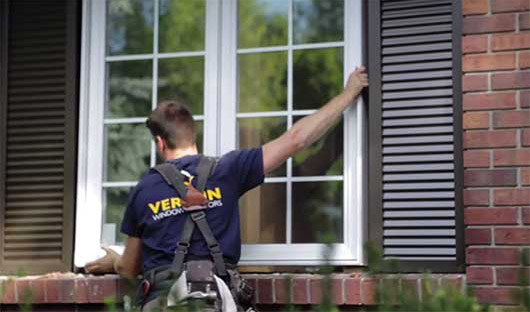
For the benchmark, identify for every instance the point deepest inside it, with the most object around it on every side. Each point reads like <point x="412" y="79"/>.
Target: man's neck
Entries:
<point x="181" y="152"/>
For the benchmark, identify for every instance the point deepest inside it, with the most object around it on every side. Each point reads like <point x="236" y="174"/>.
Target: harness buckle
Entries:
<point x="182" y="247"/>
<point x="198" y="216"/>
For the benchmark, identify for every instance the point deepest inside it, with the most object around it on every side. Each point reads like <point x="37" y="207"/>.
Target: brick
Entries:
<point x="525" y="137"/>
<point x="488" y="62"/>
<point x="479" y="275"/>
<point x="495" y="177"/>
<point x="429" y="285"/>
<point x="524" y="61"/>
<point x="316" y="289"/>
<point x="483" y="216"/>
<point x="525" y="215"/>
<point x="524" y="97"/>
<point x="524" y="21"/>
<point x="53" y="290"/>
<point x="476" y="159"/>
<point x="265" y="291"/>
<point x="474" y="83"/>
<point x="282" y="290"/>
<point x="495" y="295"/>
<point x="81" y="291"/>
<point x="318" y="286"/>
<point x="453" y="282"/>
<point x="476" y="120"/>
<point x="489" y="139"/>
<point x="300" y="291"/>
<point x="512" y="80"/>
<point x="352" y="290"/>
<point x="476" y="197"/>
<point x="31" y="291"/>
<point x="9" y="290"/>
<point x="478" y="236"/>
<point x="488" y="255"/>
<point x="68" y="290"/>
<point x="489" y="101"/>
<point x="512" y="157"/>
<point x="511" y="119"/>
<point x="470" y="7"/>
<point x="512" y="236"/>
<point x="391" y="285"/>
<point x="525" y="176"/>
<point x="510" y="41"/>
<point x="410" y="287"/>
<point x="498" y="6"/>
<point x="515" y="196"/>
<point x="488" y="24"/>
<point x="512" y="275"/>
<point x="38" y="291"/>
<point x="100" y="288"/>
<point x="474" y="44"/>
<point x="368" y="290"/>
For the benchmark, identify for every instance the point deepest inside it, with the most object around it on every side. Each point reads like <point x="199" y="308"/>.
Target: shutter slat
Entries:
<point x="417" y="186"/>
<point x="406" y="140"/>
<point x="433" y="74"/>
<point x="419" y="176"/>
<point x="419" y="213"/>
<point x="417" y="48"/>
<point x="420" y="242"/>
<point x="417" y="204"/>
<point x="417" y="130"/>
<point x="419" y="233"/>
<point x="417" y="158"/>
<point x="416" y="57"/>
<point x="418" y="85"/>
<point x="416" y="21"/>
<point x="421" y="167"/>
<point x="418" y="149"/>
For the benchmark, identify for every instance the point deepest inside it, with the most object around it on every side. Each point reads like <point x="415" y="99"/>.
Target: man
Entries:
<point x="153" y="219"/>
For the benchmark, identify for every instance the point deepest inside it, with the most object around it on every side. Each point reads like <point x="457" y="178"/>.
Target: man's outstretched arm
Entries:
<point x="310" y="128"/>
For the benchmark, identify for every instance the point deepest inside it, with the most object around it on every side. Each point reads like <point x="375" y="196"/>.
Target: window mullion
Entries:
<point x="289" y="119"/>
<point x="154" y="99"/>
<point x="211" y="78"/>
<point x="228" y="85"/>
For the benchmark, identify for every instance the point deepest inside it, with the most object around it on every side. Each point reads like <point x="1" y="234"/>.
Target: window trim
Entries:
<point x="220" y="75"/>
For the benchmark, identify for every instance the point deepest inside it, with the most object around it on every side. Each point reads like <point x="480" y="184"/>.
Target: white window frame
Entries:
<point x="219" y="92"/>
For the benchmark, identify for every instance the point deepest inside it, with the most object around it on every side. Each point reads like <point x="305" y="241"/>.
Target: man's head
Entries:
<point x="171" y="125"/>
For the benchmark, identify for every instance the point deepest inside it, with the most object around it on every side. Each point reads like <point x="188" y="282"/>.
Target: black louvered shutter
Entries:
<point x="40" y="46"/>
<point x="415" y="179"/>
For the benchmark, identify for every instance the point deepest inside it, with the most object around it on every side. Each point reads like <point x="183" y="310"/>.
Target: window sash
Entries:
<point x="219" y="92"/>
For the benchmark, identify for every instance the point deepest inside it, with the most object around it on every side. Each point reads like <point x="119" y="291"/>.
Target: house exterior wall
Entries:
<point x="496" y="121"/>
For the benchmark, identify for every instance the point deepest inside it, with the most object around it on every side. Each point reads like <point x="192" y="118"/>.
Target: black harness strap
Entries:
<point x="175" y="178"/>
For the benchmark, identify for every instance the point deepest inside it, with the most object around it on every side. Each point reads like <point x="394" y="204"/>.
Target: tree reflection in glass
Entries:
<point x="121" y="37"/>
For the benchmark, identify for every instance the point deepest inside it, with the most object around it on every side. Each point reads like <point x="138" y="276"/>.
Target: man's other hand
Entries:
<point x="357" y="80"/>
<point x="104" y="264"/>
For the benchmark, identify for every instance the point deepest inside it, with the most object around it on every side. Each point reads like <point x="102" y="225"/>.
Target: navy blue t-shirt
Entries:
<point x="154" y="211"/>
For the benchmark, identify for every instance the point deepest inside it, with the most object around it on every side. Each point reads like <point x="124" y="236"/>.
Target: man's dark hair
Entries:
<point x="173" y="122"/>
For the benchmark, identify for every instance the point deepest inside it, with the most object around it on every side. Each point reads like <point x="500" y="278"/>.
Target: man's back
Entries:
<point x="155" y="213"/>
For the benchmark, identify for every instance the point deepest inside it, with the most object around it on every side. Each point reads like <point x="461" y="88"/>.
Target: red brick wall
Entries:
<point x="496" y="102"/>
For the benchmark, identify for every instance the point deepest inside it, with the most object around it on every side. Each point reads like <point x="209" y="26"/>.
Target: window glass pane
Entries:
<point x="128" y="151"/>
<point x="262" y="23"/>
<point x="318" y="20"/>
<point x="317" y="212"/>
<point x="182" y="25"/>
<point x="254" y="132"/>
<point x="115" y="203"/>
<point x="262" y="82"/>
<point x="129" y="89"/>
<point x="323" y="157"/>
<point x="263" y="214"/>
<point x="129" y="26"/>
<point x="182" y="79"/>
<point x="317" y="77"/>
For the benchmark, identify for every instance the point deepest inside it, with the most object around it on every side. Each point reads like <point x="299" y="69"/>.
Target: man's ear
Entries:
<point x="160" y="144"/>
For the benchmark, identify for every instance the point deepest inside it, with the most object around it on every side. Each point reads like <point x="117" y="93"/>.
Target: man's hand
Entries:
<point x="357" y="80"/>
<point x="104" y="264"/>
